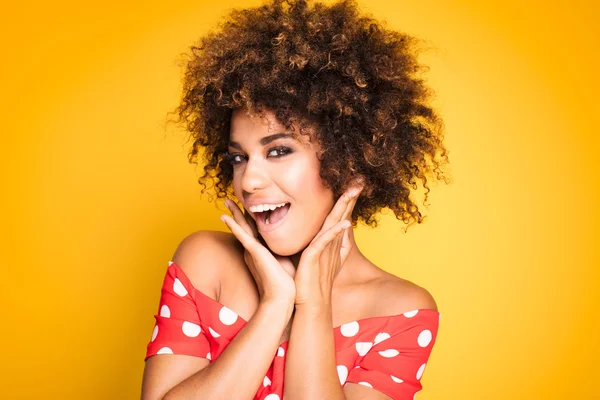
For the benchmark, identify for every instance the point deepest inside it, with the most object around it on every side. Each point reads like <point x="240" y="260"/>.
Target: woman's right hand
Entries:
<point x="274" y="275"/>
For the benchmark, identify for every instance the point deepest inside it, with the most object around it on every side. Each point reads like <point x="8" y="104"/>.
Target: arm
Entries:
<point x="229" y="377"/>
<point x="310" y="369"/>
<point x="188" y="373"/>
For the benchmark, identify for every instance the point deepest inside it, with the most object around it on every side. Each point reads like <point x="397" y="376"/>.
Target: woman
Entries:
<point x="312" y="118"/>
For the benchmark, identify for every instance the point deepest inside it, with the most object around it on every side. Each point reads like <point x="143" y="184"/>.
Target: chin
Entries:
<point x="288" y="236"/>
<point x="288" y="246"/>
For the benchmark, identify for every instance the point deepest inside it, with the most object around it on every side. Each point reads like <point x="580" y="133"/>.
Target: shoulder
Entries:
<point x="402" y="295"/>
<point x="200" y="245"/>
<point x="206" y="256"/>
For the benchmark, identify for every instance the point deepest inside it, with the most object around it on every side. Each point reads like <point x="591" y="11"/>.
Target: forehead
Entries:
<point x="244" y="123"/>
<point x="246" y="127"/>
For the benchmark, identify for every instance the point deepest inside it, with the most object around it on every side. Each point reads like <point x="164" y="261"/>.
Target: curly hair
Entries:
<point x="327" y="67"/>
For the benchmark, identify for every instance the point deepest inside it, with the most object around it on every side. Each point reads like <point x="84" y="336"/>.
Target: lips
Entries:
<point x="278" y="216"/>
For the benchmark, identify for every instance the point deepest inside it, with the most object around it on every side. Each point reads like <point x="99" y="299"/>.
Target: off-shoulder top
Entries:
<point x="386" y="353"/>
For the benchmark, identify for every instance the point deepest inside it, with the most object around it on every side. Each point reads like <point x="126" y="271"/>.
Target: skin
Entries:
<point x="309" y="278"/>
<point x="323" y="258"/>
<point x="293" y="178"/>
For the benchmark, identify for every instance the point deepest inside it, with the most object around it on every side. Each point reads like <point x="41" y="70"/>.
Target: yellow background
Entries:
<point x="97" y="194"/>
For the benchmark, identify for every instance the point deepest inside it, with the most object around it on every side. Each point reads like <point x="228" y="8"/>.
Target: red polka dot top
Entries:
<point x="386" y="353"/>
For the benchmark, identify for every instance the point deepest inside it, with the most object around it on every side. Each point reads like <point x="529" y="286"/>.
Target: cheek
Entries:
<point x="304" y="185"/>
<point x="300" y="177"/>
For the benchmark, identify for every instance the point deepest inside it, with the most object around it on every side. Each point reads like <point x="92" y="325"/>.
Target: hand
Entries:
<point x="322" y="260"/>
<point x="273" y="274"/>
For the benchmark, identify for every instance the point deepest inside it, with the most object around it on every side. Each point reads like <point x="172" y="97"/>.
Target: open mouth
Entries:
<point x="269" y="219"/>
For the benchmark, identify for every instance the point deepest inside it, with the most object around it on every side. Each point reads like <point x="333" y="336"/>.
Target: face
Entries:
<point x="272" y="169"/>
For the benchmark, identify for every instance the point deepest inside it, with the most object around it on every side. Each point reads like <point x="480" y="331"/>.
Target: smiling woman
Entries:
<point x="271" y="168"/>
<point x="310" y="120"/>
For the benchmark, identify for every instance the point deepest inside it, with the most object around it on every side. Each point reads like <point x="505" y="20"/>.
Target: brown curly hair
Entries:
<point x="327" y="67"/>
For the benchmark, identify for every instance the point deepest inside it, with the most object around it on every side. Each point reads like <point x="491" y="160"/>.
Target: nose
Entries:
<point x="254" y="176"/>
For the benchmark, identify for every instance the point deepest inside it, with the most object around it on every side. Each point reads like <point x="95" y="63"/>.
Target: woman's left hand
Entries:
<point x="322" y="260"/>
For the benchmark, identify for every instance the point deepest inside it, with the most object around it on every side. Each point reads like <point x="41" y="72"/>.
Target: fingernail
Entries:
<point x="223" y="219"/>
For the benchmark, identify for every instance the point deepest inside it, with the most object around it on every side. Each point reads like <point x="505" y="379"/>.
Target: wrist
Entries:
<point x="314" y="308"/>
<point x="314" y="315"/>
<point x="317" y="298"/>
<point x="278" y="306"/>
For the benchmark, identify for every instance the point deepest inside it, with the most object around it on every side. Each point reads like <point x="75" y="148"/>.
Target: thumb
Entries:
<point x="287" y="265"/>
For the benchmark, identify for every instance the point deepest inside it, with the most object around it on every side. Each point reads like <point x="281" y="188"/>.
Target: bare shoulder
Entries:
<point x="206" y="257"/>
<point x="402" y="295"/>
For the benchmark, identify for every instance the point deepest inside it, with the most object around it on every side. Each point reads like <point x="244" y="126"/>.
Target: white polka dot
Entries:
<point x="165" y="311"/>
<point x="165" y="350"/>
<point x="179" y="288"/>
<point x="350" y="329"/>
<point x="190" y="329"/>
<point x="213" y="333"/>
<point x="365" y="384"/>
<point x="170" y="262"/>
<point x="342" y="373"/>
<point x="410" y="314"/>
<point x="154" y="333"/>
<point x="266" y="381"/>
<point x="363" y="347"/>
<point x="424" y="338"/>
<point x="381" y="337"/>
<point x="280" y="351"/>
<point x="397" y="380"/>
<point x="420" y="371"/>
<point x="208" y="356"/>
<point x="227" y="316"/>
<point x="272" y="396"/>
<point x="389" y="353"/>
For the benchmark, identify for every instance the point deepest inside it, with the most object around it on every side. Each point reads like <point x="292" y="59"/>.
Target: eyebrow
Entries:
<point x="265" y="140"/>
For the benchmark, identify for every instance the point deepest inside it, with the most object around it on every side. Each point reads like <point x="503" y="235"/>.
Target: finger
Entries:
<point x="252" y="223"/>
<point x="238" y="216"/>
<point x="323" y="240"/>
<point x="346" y="245"/>
<point x="348" y="199"/>
<point x="287" y="265"/>
<point x="245" y="220"/>
<point x="246" y="239"/>
<point x="341" y="206"/>
<point x="255" y="232"/>
<point x="350" y="207"/>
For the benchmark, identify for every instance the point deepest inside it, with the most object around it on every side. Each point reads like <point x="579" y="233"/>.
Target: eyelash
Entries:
<point x="231" y="158"/>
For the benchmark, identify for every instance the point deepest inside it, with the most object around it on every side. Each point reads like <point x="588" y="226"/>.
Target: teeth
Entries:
<point x="265" y="207"/>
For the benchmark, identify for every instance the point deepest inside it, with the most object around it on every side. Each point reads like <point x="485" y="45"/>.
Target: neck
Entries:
<point x="354" y="259"/>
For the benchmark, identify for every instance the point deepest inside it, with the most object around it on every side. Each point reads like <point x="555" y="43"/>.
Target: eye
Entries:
<point x="280" y="151"/>
<point x="233" y="158"/>
<point x="276" y="152"/>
